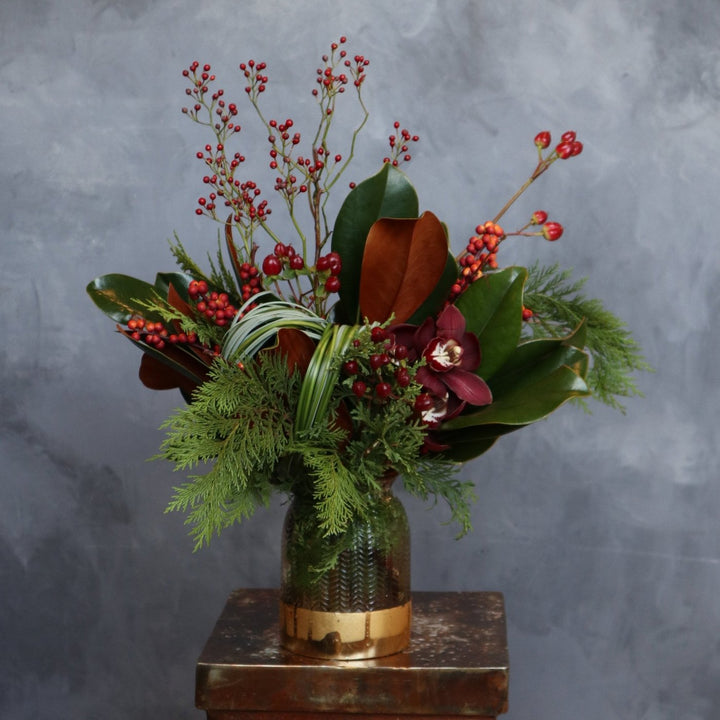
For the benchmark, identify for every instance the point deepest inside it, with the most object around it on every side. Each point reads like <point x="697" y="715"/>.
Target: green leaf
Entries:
<point x="180" y="281"/>
<point x="492" y="307"/>
<point x="121" y="297"/>
<point x="321" y="377"/>
<point x="386" y="194"/>
<point x="539" y="378"/>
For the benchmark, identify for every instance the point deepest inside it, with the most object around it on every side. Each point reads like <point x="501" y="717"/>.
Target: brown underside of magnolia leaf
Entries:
<point x="403" y="262"/>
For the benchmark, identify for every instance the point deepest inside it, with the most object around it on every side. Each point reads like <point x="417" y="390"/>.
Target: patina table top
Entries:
<point x="456" y="665"/>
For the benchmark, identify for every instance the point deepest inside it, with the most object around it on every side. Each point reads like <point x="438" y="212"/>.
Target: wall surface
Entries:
<point x="602" y="530"/>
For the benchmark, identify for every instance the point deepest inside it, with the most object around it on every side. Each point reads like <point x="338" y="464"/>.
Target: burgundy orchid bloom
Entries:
<point x="451" y="355"/>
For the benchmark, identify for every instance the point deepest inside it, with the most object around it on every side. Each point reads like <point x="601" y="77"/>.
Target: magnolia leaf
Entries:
<point x="178" y="360"/>
<point x="121" y="297"/>
<point x="434" y="302"/>
<point x="180" y="281"/>
<point x="157" y="375"/>
<point x="535" y="359"/>
<point x="176" y="300"/>
<point x="492" y="307"/>
<point x="386" y="194"/>
<point x="526" y="404"/>
<point x="402" y="264"/>
<point x="296" y="347"/>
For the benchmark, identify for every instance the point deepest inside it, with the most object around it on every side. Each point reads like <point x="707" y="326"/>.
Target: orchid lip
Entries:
<point x="443" y="354"/>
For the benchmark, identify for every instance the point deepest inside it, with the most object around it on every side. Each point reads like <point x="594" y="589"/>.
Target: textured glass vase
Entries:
<point x="347" y="597"/>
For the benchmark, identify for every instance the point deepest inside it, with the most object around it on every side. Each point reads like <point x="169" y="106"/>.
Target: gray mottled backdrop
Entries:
<point x="601" y="530"/>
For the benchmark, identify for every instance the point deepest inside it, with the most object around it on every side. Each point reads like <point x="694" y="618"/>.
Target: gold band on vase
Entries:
<point x="345" y="635"/>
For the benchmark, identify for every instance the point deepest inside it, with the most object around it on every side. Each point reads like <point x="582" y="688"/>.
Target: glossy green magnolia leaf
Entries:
<point x="540" y="376"/>
<point x="403" y="262"/>
<point x="120" y="297"/>
<point x="536" y="359"/>
<point x="386" y="194"/>
<point x="180" y="281"/>
<point x="492" y="307"/>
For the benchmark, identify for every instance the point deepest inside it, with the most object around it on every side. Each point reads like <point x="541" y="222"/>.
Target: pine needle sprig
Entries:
<point x="559" y="305"/>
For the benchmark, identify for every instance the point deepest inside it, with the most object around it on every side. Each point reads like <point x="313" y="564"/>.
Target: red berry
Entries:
<point x="423" y="402"/>
<point x="378" y="334"/>
<point x="568" y="136"/>
<point x="296" y="262"/>
<point x="577" y="148"/>
<point x="272" y="265"/>
<point x="402" y="376"/>
<point x="335" y="262"/>
<point x="377" y="360"/>
<point x="383" y="389"/>
<point x="564" y="150"/>
<point x="359" y="388"/>
<point x="539" y="217"/>
<point x="552" y="230"/>
<point x="332" y="284"/>
<point x="351" y="367"/>
<point x="542" y="139"/>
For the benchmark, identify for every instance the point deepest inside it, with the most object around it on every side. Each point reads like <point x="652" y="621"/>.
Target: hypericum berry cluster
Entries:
<point x="399" y="145"/>
<point x="550" y="230"/>
<point x="378" y="370"/>
<point x="286" y="262"/>
<point x="568" y="146"/>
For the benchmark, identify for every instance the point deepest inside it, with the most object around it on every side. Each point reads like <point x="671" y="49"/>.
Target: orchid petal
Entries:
<point x="468" y="386"/>
<point x="471" y="352"/>
<point x="428" y="379"/>
<point x="451" y="324"/>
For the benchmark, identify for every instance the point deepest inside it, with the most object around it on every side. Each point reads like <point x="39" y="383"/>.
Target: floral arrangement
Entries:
<point x="317" y="362"/>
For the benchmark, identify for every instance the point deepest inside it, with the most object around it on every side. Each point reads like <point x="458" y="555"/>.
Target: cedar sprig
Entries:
<point x="240" y="423"/>
<point x="559" y="305"/>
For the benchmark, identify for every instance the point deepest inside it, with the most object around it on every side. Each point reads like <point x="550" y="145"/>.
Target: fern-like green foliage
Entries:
<point x="240" y="422"/>
<point x="559" y="305"/>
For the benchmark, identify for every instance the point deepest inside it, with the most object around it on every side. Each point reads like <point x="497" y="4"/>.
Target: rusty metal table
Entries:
<point x="456" y="666"/>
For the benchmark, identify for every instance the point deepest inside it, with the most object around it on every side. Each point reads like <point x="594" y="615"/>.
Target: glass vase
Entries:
<point x="347" y="596"/>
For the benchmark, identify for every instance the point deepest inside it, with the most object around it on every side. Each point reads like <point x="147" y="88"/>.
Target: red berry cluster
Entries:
<point x="239" y="196"/>
<point x="332" y="82"/>
<point x="550" y="230"/>
<point x="283" y="256"/>
<point x="214" y="306"/>
<point x="569" y="146"/>
<point x="383" y="372"/>
<point x="480" y="253"/>
<point x="257" y="82"/>
<point x="399" y="145"/>
<point x="223" y="112"/>
<point x="157" y="335"/>
<point x="329" y="268"/>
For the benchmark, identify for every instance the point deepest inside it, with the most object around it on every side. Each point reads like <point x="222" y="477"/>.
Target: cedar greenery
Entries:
<point x="559" y="305"/>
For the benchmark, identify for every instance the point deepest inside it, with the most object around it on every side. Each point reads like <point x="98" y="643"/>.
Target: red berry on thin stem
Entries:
<point x="552" y="230"/>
